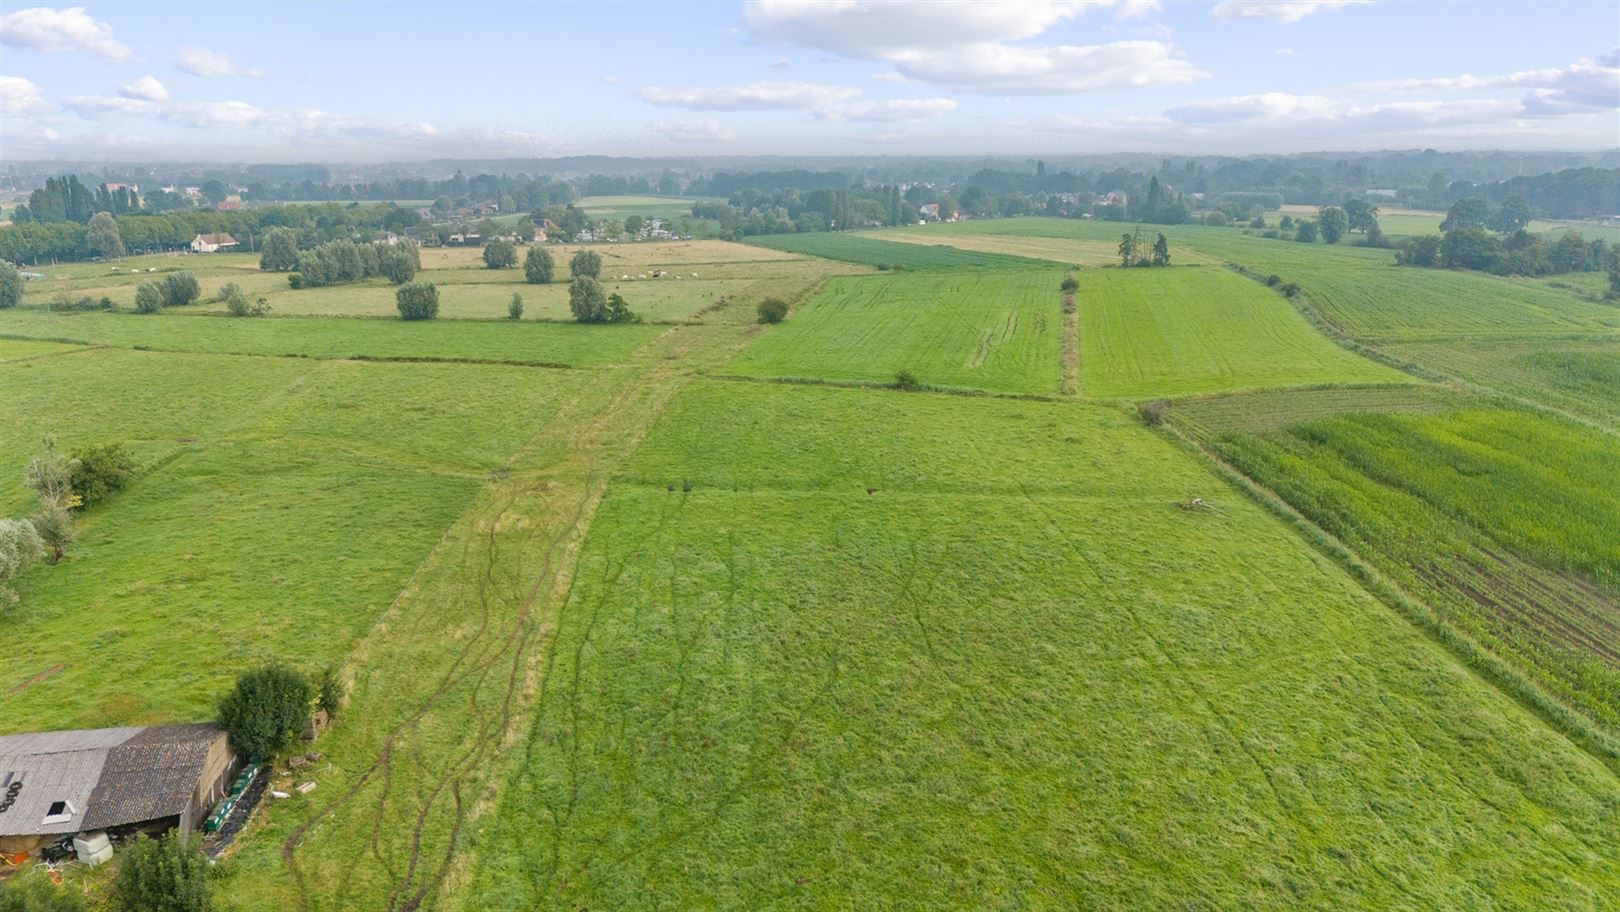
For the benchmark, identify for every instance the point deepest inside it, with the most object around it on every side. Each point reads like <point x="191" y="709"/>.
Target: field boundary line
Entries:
<point x="1489" y="668"/>
<point x="966" y="391"/>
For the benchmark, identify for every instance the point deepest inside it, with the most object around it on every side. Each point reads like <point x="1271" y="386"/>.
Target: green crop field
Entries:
<point x="1511" y="544"/>
<point x="989" y="331"/>
<point x="1171" y="332"/>
<point x="868" y="250"/>
<point x="617" y="207"/>
<point x="703" y="613"/>
<point x="779" y="689"/>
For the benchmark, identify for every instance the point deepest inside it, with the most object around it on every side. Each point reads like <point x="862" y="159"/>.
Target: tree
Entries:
<point x="278" y="250"/>
<point x="1334" y="222"/>
<point x="1614" y="273"/>
<point x="514" y="310"/>
<point x="500" y="254"/>
<point x="538" y="266"/>
<point x="417" y="301"/>
<point x="180" y="288"/>
<point x="1513" y="216"/>
<point x="266" y="709"/>
<point x="1419" y="251"/>
<point x="1362" y="215"/>
<point x="1306" y="232"/>
<point x="586" y="263"/>
<point x="1466" y="213"/>
<point x="101" y="472"/>
<point x="772" y="310"/>
<point x="618" y="310"/>
<point x="50" y="475"/>
<point x="634" y="225"/>
<point x="11" y="285"/>
<point x="166" y="874"/>
<point x="20" y="547"/>
<point x="1127" y="249"/>
<point x="148" y="298"/>
<point x="587" y="299"/>
<point x="103" y="238"/>
<point x="1069" y="285"/>
<point x="399" y="263"/>
<point x="1287" y="223"/>
<point x="1161" y="251"/>
<point x="1471" y="248"/>
<point x="236" y="303"/>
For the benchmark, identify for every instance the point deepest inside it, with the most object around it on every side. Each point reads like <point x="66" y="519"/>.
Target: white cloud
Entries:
<point x="891" y="111"/>
<point x="1009" y="69"/>
<point x="779" y="63"/>
<point x="755" y="96"/>
<point x="95" y="107"/>
<point x="1136" y="9"/>
<point x="61" y="31"/>
<point x="707" y="130"/>
<point x="20" y="98"/>
<point x="1586" y="84"/>
<point x="146" y="88"/>
<point x="309" y="125"/>
<point x="1284" y="52"/>
<point x="203" y="62"/>
<point x="888" y="77"/>
<point x="1285" y="11"/>
<point x="827" y="102"/>
<point x="213" y="114"/>
<point x="967" y="46"/>
<point x="1335" y="116"/>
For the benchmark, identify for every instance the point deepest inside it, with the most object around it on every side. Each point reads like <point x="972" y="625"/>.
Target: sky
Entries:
<point x="356" y="81"/>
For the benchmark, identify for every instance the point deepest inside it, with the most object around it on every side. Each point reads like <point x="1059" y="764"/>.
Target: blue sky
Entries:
<point x="361" y="81"/>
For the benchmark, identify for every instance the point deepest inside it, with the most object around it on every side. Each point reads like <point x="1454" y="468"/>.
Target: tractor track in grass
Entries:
<point x="518" y="549"/>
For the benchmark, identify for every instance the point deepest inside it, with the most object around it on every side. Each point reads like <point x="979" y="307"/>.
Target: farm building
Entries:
<point x="157" y="777"/>
<point x="212" y="243"/>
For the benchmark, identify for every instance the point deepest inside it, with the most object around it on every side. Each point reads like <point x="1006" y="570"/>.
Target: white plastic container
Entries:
<point x="92" y="848"/>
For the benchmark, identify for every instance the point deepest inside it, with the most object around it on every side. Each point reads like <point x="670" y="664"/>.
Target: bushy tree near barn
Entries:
<point x="168" y="874"/>
<point x="266" y="709"/>
<point x="417" y="300"/>
<point x="586" y="263"/>
<point x="278" y="250"/>
<point x="538" y="266"/>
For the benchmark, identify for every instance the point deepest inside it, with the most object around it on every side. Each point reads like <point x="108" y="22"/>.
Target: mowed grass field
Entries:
<point x="1578" y="375"/>
<point x="662" y="207"/>
<point x="280" y="507"/>
<point x="999" y="332"/>
<point x="978" y="659"/>
<point x="1173" y="332"/>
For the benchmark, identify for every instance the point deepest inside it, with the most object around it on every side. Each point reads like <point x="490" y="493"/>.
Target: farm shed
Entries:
<point x="155" y="777"/>
<point x="212" y="243"/>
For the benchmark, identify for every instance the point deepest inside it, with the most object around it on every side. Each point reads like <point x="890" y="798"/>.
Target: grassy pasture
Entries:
<point x="1578" y="375"/>
<point x="281" y="506"/>
<point x="21" y="349"/>
<point x="527" y="342"/>
<point x="1501" y="521"/>
<point x="954" y="693"/>
<point x="867" y="250"/>
<point x="990" y="331"/>
<point x="617" y="207"/>
<point x="1174" y="332"/>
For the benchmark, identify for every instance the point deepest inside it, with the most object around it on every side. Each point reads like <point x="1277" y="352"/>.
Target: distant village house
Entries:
<point x="212" y="243"/>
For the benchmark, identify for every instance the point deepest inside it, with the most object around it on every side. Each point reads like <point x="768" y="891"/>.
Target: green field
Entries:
<point x="705" y="614"/>
<point x="989" y="331"/>
<point x="662" y="207"/>
<point x="568" y="344"/>
<point x="1172" y="332"/>
<point x="867" y="250"/>
<point x="786" y="691"/>
<point x="1502" y="522"/>
<point x="282" y="505"/>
